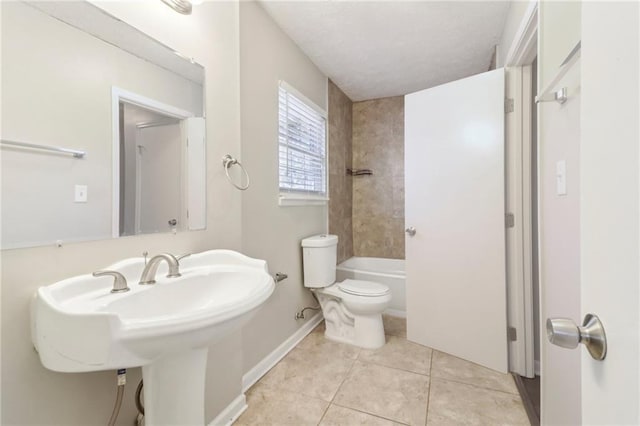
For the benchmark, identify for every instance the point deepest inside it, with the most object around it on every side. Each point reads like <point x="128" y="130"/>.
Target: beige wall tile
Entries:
<point x="366" y="212"/>
<point x="378" y="200"/>
<point x="340" y="188"/>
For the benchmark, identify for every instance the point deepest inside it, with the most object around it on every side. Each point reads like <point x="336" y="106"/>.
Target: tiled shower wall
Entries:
<point x="340" y="190"/>
<point x="378" y="200"/>
<point x="366" y="212"/>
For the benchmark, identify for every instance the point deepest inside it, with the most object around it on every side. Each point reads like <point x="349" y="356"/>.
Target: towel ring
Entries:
<point x="227" y="162"/>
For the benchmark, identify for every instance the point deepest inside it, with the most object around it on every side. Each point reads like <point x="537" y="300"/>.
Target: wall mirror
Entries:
<point x="102" y="128"/>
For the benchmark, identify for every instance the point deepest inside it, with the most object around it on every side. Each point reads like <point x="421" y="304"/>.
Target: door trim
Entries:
<point x="524" y="47"/>
<point x="118" y="95"/>
<point x="520" y="56"/>
<point x="518" y="202"/>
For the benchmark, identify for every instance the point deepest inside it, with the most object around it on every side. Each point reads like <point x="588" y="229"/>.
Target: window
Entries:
<point x="302" y="149"/>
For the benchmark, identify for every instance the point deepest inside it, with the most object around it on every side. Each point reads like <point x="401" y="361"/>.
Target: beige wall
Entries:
<point x="237" y="44"/>
<point x="559" y="139"/>
<point x="34" y="395"/>
<point x="269" y="231"/>
<point x="378" y="200"/>
<point x="340" y="184"/>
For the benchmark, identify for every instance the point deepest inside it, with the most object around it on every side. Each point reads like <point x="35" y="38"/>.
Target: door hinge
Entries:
<point x="512" y="334"/>
<point x="508" y="105"/>
<point x="509" y="220"/>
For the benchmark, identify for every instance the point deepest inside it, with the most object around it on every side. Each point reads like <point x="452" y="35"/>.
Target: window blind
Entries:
<point x="302" y="145"/>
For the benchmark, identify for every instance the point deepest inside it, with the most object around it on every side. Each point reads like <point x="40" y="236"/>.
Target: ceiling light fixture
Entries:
<point x="180" y="6"/>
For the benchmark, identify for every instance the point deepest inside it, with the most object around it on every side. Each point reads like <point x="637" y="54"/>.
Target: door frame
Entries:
<point x="120" y="95"/>
<point x="520" y="56"/>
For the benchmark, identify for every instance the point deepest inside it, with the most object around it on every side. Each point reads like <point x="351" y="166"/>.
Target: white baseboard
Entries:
<point x="395" y="313"/>
<point x="260" y="369"/>
<point x="231" y="413"/>
<point x="536" y="367"/>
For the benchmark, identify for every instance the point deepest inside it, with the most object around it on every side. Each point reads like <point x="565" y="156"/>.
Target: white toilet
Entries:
<point x="352" y="309"/>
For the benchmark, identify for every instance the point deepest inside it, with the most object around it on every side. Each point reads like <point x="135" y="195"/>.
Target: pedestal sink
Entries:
<point x="78" y="325"/>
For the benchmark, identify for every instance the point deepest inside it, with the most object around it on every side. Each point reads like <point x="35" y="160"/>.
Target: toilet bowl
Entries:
<point x="352" y="309"/>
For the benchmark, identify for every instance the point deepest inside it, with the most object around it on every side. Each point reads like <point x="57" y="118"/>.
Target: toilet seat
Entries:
<point x="363" y="288"/>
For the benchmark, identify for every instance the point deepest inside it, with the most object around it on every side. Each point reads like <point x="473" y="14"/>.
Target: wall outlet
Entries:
<point x="81" y="194"/>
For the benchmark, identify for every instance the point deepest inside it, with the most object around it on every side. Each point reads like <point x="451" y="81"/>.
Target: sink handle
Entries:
<point x="119" y="281"/>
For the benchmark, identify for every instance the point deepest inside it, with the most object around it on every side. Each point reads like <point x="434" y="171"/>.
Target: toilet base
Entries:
<point x="341" y="325"/>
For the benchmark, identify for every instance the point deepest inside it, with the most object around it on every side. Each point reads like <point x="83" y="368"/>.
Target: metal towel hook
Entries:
<point x="227" y="162"/>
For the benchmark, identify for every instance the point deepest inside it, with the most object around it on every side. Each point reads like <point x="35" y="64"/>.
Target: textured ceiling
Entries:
<point x="387" y="48"/>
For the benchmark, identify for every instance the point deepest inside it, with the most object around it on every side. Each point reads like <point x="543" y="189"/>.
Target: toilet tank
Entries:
<point x="319" y="258"/>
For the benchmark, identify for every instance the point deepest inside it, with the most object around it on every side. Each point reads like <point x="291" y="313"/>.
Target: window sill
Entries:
<point x="292" y="201"/>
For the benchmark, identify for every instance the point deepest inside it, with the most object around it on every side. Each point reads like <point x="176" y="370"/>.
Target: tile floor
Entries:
<point x="326" y="383"/>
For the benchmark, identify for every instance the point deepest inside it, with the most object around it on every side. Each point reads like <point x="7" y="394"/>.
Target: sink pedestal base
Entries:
<point x="174" y="389"/>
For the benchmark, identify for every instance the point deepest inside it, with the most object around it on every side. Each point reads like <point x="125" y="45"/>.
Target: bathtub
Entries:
<point x="386" y="271"/>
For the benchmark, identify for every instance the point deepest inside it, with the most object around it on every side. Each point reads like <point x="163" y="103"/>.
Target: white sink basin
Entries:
<point x="78" y="325"/>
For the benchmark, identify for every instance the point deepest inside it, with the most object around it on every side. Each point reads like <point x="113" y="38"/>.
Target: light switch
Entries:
<point x="81" y="194"/>
<point x="561" y="177"/>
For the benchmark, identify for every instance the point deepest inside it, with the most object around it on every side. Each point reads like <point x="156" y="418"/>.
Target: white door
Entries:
<point x="609" y="216"/>
<point x="454" y="183"/>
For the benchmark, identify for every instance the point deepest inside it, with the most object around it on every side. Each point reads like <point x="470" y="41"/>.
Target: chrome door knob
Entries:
<point x="410" y="231"/>
<point x="565" y="333"/>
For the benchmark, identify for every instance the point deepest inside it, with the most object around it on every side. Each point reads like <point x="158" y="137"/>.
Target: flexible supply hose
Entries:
<point x="122" y="380"/>
<point x="138" y="400"/>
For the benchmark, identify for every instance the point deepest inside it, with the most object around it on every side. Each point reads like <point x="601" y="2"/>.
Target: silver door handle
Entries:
<point x="565" y="333"/>
<point x="410" y="231"/>
<point x="173" y="222"/>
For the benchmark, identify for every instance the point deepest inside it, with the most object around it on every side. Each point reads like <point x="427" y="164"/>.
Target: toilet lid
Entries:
<point x="363" y="288"/>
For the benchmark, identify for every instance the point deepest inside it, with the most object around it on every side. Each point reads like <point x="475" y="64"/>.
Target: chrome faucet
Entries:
<point x="119" y="281"/>
<point x="149" y="273"/>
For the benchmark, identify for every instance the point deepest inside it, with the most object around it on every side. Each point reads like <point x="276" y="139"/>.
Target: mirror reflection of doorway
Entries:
<point x="159" y="166"/>
<point x="152" y="151"/>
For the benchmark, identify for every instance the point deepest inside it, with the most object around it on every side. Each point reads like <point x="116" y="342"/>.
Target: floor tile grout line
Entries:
<point x="276" y="387"/>
<point x="366" y="412"/>
<point x="446" y="379"/>
<point x="394" y="368"/>
<point x="426" y="417"/>
<point x="324" y="414"/>
<point x="346" y="376"/>
<point x="370" y="414"/>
